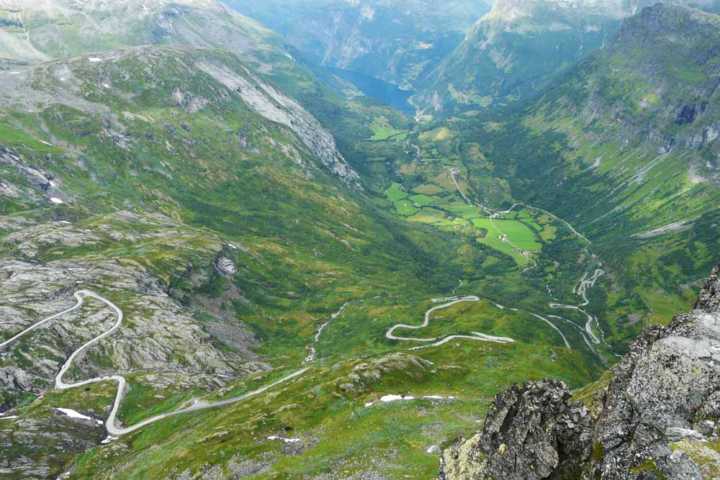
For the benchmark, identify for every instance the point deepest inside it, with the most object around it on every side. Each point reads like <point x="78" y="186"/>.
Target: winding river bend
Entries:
<point x="111" y="422"/>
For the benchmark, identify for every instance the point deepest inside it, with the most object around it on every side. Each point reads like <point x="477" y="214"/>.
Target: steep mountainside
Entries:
<point x="643" y="109"/>
<point x="218" y="215"/>
<point x="655" y="416"/>
<point x="213" y="265"/>
<point x="191" y="221"/>
<point x="150" y="175"/>
<point x="519" y="47"/>
<point x="394" y="41"/>
<point x="624" y="148"/>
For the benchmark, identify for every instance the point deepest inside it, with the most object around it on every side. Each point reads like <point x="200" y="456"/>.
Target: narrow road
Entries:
<point x="581" y="290"/>
<point x="110" y="422"/>
<point x="437" y="341"/>
<point x="553" y="326"/>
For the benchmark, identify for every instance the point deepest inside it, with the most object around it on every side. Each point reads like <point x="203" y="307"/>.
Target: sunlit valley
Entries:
<point x="359" y="239"/>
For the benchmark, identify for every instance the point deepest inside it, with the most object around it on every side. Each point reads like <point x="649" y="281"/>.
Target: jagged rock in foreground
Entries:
<point x="657" y="418"/>
<point x="539" y="422"/>
<point x="709" y="299"/>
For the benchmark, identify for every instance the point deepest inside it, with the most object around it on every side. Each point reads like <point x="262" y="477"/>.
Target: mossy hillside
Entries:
<point x="339" y="394"/>
<point x="306" y="245"/>
<point x="183" y="182"/>
<point x="223" y="181"/>
<point x="528" y="257"/>
<point x="471" y="78"/>
<point x="590" y="150"/>
<point x="616" y="218"/>
<point x="622" y="311"/>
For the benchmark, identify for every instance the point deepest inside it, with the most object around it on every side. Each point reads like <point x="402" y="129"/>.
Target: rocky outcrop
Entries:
<point x="279" y="108"/>
<point x="709" y="299"/>
<point x="663" y="392"/>
<point x="225" y="266"/>
<point x="532" y="432"/>
<point x="36" y="182"/>
<point x="161" y="335"/>
<point x="657" y="418"/>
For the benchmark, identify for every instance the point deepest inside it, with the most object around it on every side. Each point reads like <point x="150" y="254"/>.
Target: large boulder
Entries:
<point x="532" y="432"/>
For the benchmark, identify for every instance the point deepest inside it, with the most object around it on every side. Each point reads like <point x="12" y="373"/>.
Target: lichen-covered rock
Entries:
<point x="465" y="460"/>
<point x="663" y="391"/>
<point x="532" y="432"/>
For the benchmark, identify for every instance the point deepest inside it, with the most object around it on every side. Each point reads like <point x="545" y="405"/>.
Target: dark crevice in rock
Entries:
<point x="709" y="299"/>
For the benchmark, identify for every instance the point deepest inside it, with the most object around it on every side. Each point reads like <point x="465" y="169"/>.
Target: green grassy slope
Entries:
<point x="341" y="434"/>
<point x="514" y="52"/>
<point x="148" y="131"/>
<point x="623" y="148"/>
<point x="159" y="162"/>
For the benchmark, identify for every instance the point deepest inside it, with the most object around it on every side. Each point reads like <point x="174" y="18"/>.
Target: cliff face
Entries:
<point x="656" y="419"/>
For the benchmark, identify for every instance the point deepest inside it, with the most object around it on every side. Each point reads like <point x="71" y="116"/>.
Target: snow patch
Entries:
<point x="409" y="398"/>
<point x="56" y="200"/>
<point x="94" y="59"/>
<point x="74" y="414"/>
<point x="283" y="439"/>
<point x="438" y="397"/>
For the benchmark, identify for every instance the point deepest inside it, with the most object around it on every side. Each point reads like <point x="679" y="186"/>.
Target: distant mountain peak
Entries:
<point x="513" y="10"/>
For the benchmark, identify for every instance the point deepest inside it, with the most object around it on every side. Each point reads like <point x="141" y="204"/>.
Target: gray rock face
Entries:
<point x="709" y="299"/>
<point x="225" y="266"/>
<point x="663" y="392"/>
<point x="158" y="335"/>
<point x="277" y="107"/>
<point x="532" y="432"/>
<point x="657" y="418"/>
<point x="37" y="182"/>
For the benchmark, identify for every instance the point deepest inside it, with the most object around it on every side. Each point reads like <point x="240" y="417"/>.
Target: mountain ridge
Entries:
<point x="351" y="286"/>
<point x="518" y="48"/>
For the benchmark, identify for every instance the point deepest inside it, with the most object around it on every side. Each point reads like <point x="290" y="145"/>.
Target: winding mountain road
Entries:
<point x="586" y="283"/>
<point x="437" y="341"/>
<point x="111" y="421"/>
<point x="581" y="290"/>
